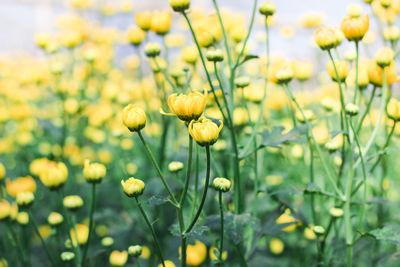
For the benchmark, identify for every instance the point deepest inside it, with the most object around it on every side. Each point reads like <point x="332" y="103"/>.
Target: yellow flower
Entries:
<point x="214" y="254"/>
<point x="54" y="175"/>
<point x="22" y="218"/>
<point x="179" y="5"/>
<point x="94" y="172"/>
<point x="335" y="143"/>
<point x="190" y="54"/>
<point x="145" y="252"/>
<point x="325" y="38"/>
<point x="73" y="202"/>
<point x="167" y="263"/>
<point x="276" y="246"/>
<point x="134" y="118"/>
<point x="133" y="187"/>
<point x="354" y="29"/>
<point x="25" y="199"/>
<point x="2" y="171"/>
<point x="21" y="184"/>
<point x="354" y="10"/>
<point x="55" y="218"/>
<point x="286" y="218"/>
<point x="161" y="22"/>
<point x="143" y="20"/>
<point x="196" y="254"/>
<point x="267" y="8"/>
<point x="311" y="19"/>
<point x="384" y="57"/>
<point x="222" y="184"/>
<point x="240" y="117"/>
<point x="375" y="73"/>
<point x="309" y="233"/>
<point x="187" y="107"/>
<point x="302" y="70"/>
<point x="118" y="258"/>
<point x="5" y="209"/>
<point x="393" y="109"/>
<point x="135" y="35"/>
<point x="82" y="231"/>
<point x="342" y="67"/>
<point x="205" y="132"/>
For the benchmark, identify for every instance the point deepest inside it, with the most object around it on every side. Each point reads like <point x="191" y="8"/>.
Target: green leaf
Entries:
<point x="235" y="225"/>
<point x="389" y="233"/>
<point x="247" y="58"/>
<point x="197" y="232"/>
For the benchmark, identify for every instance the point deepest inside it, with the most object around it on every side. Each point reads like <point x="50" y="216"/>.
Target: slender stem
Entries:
<point x="385" y="146"/>
<point x="223" y="33"/>
<point x="150" y="155"/>
<point x="312" y="180"/>
<point x="356" y="85"/>
<point x="165" y="75"/>
<point x="381" y="111"/>
<point x="92" y="208"/>
<point x="317" y="148"/>
<point x="203" y="199"/>
<point x="183" y="237"/>
<point x="138" y="262"/>
<point x="371" y="99"/>
<point x="18" y="245"/>
<point x="188" y="170"/>
<point x="364" y="175"/>
<point x="139" y="204"/>
<point x="46" y="249"/>
<point x="221" y="211"/>
<point x="78" y="248"/>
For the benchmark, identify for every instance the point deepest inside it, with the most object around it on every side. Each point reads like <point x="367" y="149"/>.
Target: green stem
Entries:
<point x="385" y="146"/>
<point x="18" y="245"/>
<point x="371" y="99"/>
<point x="203" y="199"/>
<point x="150" y="155"/>
<point x="92" y="208"/>
<point x="188" y="170"/>
<point x="223" y="33"/>
<point x="165" y="75"/>
<point x="78" y="248"/>
<point x="221" y="211"/>
<point x="356" y="85"/>
<point x="317" y="148"/>
<point x="46" y="249"/>
<point x="139" y="204"/>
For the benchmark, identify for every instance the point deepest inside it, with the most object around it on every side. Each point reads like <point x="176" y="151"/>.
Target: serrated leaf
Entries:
<point x="389" y="233"/>
<point x="235" y="224"/>
<point x="197" y="231"/>
<point x="174" y="230"/>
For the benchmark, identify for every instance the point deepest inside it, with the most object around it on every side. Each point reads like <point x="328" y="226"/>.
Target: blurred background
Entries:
<point x="20" y="20"/>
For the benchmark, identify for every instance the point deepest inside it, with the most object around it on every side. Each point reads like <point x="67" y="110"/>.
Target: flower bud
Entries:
<point x="55" y="219"/>
<point x="354" y="29"/>
<point x="354" y="10"/>
<point x="242" y="81"/>
<point x="267" y="8"/>
<point x="134" y="118"/>
<point x="73" y="202"/>
<point x="2" y="171"/>
<point x="309" y="114"/>
<point x="214" y="55"/>
<point x="284" y="75"/>
<point x="152" y="49"/>
<point x="118" y="258"/>
<point x="393" y="109"/>
<point x="336" y="212"/>
<point x="135" y="35"/>
<point x="23" y="218"/>
<point x="5" y="209"/>
<point x="143" y="20"/>
<point x="25" y="199"/>
<point x="135" y="251"/>
<point x="385" y="3"/>
<point x="391" y="33"/>
<point x="384" y="57"/>
<point x="179" y="5"/>
<point x="325" y="38"/>
<point x="328" y="104"/>
<point x="175" y="166"/>
<point x="133" y="187"/>
<point x="222" y="184"/>
<point x="351" y="109"/>
<point x="205" y="132"/>
<point x="335" y="143"/>
<point x="342" y="67"/>
<point x="67" y="256"/>
<point x="107" y="241"/>
<point x="319" y="230"/>
<point x="94" y="172"/>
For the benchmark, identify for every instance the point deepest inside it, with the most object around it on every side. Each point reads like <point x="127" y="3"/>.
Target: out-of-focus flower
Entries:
<point x="21" y="184"/>
<point x="354" y="29"/>
<point x="118" y="258"/>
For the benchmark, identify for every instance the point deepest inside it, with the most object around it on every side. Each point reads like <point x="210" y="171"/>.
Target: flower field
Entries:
<point x="183" y="136"/>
